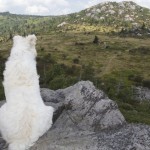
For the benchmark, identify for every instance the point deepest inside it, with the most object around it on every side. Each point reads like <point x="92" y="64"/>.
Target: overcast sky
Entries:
<point x="53" y="7"/>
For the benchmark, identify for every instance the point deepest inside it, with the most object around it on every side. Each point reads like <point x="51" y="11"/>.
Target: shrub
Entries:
<point x="79" y="43"/>
<point x="140" y="50"/>
<point x="73" y="70"/>
<point x="56" y="70"/>
<point x="96" y="40"/>
<point x="136" y="78"/>
<point x="48" y="58"/>
<point x="146" y="83"/>
<point x="42" y="48"/>
<point x="126" y="106"/>
<point x="2" y="96"/>
<point x="125" y="94"/>
<point x="62" y="81"/>
<point x="76" y="61"/>
<point x="88" y="73"/>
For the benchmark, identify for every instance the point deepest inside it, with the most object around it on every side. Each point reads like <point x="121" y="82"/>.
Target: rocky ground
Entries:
<point x="85" y="118"/>
<point x="142" y="93"/>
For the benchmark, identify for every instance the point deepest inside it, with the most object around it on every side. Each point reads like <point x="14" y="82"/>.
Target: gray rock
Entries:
<point x="3" y="145"/>
<point x="141" y="93"/>
<point x="128" y="137"/>
<point x="86" y="119"/>
<point x="52" y="96"/>
<point x="86" y="107"/>
<point x="1" y="103"/>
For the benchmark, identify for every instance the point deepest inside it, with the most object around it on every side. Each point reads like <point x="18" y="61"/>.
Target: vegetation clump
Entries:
<point x="96" y="40"/>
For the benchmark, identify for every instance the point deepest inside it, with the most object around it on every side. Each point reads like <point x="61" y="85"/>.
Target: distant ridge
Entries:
<point x="113" y="13"/>
<point x="122" y="15"/>
<point x="5" y="13"/>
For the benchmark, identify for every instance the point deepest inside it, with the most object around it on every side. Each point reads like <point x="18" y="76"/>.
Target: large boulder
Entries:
<point x="85" y="118"/>
<point x="127" y="137"/>
<point x="85" y="108"/>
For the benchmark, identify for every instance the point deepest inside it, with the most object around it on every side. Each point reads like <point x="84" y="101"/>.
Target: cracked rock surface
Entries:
<point x="85" y="118"/>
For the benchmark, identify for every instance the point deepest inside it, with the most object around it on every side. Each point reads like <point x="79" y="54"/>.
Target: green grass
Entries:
<point x="65" y="58"/>
<point x="140" y="113"/>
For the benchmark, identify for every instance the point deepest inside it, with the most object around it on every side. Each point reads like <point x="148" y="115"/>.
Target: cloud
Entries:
<point x="36" y="10"/>
<point x="144" y="3"/>
<point x="53" y="7"/>
<point x="19" y="2"/>
<point x="35" y="7"/>
<point x="92" y="3"/>
<point x="2" y="5"/>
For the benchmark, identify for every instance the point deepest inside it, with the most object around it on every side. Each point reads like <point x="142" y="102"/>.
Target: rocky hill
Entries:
<point x="86" y="119"/>
<point x="125" y="14"/>
<point x="117" y="14"/>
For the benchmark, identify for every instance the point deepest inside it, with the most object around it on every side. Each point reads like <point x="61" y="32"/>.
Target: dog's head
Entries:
<point x="32" y="40"/>
<point x="25" y="43"/>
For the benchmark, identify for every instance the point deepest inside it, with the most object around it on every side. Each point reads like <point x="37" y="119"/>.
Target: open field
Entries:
<point x="114" y="65"/>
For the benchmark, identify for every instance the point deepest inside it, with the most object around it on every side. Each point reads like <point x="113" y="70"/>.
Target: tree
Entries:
<point x="96" y="40"/>
<point x="143" y="26"/>
<point x="10" y="36"/>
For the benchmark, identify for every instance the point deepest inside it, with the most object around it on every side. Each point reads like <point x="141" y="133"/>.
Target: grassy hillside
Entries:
<point x="104" y="17"/>
<point x="115" y="14"/>
<point x="114" y="65"/>
<point x="11" y="24"/>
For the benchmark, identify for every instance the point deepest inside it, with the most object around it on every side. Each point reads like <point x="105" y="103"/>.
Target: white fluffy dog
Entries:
<point x="24" y="117"/>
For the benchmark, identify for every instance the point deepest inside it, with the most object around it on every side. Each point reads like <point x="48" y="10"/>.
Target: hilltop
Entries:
<point x="115" y="14"/>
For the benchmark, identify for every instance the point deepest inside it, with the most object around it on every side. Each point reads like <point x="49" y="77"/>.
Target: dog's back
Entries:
<point x="20" y="71"/>
<point x="24" y="117"/>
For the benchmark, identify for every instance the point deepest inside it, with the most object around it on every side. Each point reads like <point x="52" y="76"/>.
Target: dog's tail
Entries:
<point x="22" y="139"/>
<point x="17" y="146"/>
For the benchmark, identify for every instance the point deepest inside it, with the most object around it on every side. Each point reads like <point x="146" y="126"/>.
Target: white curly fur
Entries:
<point x="24" y="117"/>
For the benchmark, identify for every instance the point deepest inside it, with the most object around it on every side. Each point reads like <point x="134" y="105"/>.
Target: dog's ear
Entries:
<point x="16" y="39"/>
<point x="32" y="39"/>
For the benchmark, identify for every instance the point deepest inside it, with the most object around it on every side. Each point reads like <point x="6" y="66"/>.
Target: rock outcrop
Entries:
<point x="85" y="108"/>
<point x="142" y="93"/>
<point x="85" y="118"/>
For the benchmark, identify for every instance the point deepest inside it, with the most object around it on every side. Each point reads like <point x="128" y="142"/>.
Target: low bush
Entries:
<point x="146" y="83"/>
